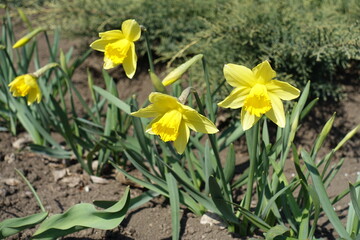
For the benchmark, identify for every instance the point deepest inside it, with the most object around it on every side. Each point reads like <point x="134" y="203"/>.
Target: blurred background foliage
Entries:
<point x="315" y="40"/>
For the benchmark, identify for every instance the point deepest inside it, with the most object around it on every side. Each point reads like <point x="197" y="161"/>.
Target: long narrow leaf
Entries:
<point x="323" y="197"/>
<point x="174" y="205"/>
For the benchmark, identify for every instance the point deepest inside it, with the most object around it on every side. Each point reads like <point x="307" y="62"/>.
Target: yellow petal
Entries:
<point x="182" y="139"/>
<point x="263" y="72"/>
<point x="163" y="102"/>
<point x="34" y="95"/>
<point x="276" y="114"/>
<point x="148" y="127"/>
<point x="179" y="71"/>
<point x="247" y="120"/>
<point x="235" y="99"/>
<point x="198" y="122"/>
<point x="130" y="61"/>
<point x="283" y="90"/>
<point x="100" y="44"/>
<point x="112" y="35"/>
<point x="149" y="111"/>
<point x="239" y="76"/>
<point x="108" y="64"/>
<point x="131" y="30"/>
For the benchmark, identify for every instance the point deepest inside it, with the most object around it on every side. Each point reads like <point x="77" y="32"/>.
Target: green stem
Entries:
<point x="148" y="50"/>
<point x="225" y="186"/>
<point x="252" y="136"/>
<point x="191" y="169"/>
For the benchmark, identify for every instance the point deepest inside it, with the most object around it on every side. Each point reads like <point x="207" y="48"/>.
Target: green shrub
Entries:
<point x="306" y="39"/>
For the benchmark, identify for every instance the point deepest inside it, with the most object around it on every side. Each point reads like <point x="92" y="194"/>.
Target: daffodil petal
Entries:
<point x="34" y="95"/>
<point x="129" y="63"/>
<point x="198" y="122"/>
<point x="100" y="44"/>
<point x="108" y="64"/>
<point x="112" y="35"/>
<point x="283" y="90"/>
<point x="148" y="128"/>
<point x="182" y="139"/>
<point x="247" y="120"/>
<point x="276" y="114"/>
<point x="239" y="76"/>
<point x="163" y="102"/>
<point x="236" y="98"/>
<point x="263" y="72"/>
<point x="149" y="111"/>
<point x="131" y="30"/>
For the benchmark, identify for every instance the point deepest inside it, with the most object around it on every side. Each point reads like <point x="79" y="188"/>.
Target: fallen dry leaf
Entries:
<point x="12" y="181"/>
<point x="99" y="180"/>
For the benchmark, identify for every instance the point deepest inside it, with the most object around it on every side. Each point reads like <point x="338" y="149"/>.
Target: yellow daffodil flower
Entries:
<point x="26" y="85"/>
<point x="172" y="120"/>
<point x="118" y="46"/>
<point x="257" y="93"/>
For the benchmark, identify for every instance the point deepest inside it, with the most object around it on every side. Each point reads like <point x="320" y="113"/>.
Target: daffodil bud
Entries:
<point x="179" y="71"/>
<point x="45" y="68"/>
<point x="24" y="40"/>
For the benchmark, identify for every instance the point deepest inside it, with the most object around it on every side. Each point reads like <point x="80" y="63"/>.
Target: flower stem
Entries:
<point x="148" y="50"/>
<point x="225" y="186"/>
<point x="252" y="136"/>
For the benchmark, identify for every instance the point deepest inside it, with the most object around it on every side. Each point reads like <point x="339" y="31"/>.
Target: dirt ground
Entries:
<point x="61" y="184"/>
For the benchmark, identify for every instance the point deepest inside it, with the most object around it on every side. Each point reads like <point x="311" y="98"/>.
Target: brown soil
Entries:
<point x="152" y="220"/>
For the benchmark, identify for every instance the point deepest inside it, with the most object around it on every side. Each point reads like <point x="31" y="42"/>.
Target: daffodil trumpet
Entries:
<point x="173" y="120"/>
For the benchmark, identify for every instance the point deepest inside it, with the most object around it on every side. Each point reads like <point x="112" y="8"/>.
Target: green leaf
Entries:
<point x="323" y="197"/>
<point x="174" y="205"/>
<point x="82" y="216"/>
<point x="257" y="221"/>
<point x="273" y="198"/>
<point x="114" y="100"/>
<point x="276" y="231"/>
<point x="354" y="200"/>
<point x="52" y="152"/>
<point x="322" y="136"/>
<point x="12" y="226"/>
<point x="219" y="201"/>
<point x="230" y="164"/>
